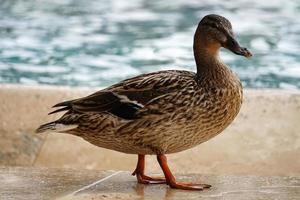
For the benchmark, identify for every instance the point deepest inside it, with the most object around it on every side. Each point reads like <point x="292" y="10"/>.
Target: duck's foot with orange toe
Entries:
<point x="141" y="177"/>
<point x="169" y="178"/>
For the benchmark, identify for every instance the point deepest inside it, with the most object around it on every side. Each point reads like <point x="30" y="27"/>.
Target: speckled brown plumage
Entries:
<point x="167" y="111"/>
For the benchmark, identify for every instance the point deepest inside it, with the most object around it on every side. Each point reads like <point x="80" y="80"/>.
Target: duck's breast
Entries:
<point x="210" y="112"/>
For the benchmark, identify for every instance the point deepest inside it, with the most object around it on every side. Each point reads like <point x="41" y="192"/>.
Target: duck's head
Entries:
<point x="215" y="31"/>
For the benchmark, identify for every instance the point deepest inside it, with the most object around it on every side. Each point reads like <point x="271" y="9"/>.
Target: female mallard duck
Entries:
<point x="162" y="112"/>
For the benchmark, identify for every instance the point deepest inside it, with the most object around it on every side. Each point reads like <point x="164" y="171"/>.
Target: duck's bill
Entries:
<point x="242" y="51"/>
<point x="234" y="46"/>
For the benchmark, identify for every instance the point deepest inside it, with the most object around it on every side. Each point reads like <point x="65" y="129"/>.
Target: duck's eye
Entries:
<point x="231" y="42"/>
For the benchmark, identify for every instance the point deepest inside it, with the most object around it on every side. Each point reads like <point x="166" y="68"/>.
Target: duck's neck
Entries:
<point x="206" y="56"/>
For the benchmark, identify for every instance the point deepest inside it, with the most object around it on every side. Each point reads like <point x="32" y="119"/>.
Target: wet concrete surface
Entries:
<point x="43" y="184"/>
<point x="63" y="184"/>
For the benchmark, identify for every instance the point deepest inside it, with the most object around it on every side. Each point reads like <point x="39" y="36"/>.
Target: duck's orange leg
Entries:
<point x="171" y="181"/>
<point x="141" y="177"/>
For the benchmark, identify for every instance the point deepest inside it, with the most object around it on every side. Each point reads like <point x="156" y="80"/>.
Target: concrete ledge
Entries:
<point x="263" y="140"/>
<point x="63" y="184"/>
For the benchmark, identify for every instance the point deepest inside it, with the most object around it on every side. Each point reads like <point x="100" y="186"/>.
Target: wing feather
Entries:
<point x="126" y="98"/>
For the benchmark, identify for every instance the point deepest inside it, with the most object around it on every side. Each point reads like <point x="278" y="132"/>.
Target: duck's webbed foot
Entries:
<point x="141" y="177"/>
<point x="188" y="186"/>
<point x="171" y="181"/>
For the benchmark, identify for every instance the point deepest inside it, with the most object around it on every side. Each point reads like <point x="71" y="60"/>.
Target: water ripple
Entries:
<point x="97" y="43"/>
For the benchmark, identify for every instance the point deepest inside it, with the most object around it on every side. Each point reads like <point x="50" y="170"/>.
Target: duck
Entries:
<point x="162" y="112"/>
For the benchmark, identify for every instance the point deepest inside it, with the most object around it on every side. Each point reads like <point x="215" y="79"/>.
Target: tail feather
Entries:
<point x="46" y="127"/>
<point x="64" y="103"/>
<point x="59" y="125"/>
<point x="55" y="127"/>
<point x="59" y="110"/>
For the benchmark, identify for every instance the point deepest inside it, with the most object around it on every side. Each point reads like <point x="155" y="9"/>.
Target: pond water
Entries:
<point x="97" y="43"/>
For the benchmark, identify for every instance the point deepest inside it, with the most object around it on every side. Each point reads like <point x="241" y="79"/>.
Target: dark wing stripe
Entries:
<point x="103" y="101"/>
<point x="126" y="110"/>
<point x="98" y="102"/>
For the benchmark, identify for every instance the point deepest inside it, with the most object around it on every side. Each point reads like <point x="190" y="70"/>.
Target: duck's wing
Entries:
<point x="126" y="98"/>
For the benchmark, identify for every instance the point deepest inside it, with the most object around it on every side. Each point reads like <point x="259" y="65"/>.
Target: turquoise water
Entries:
<point x="97" y="43"/>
